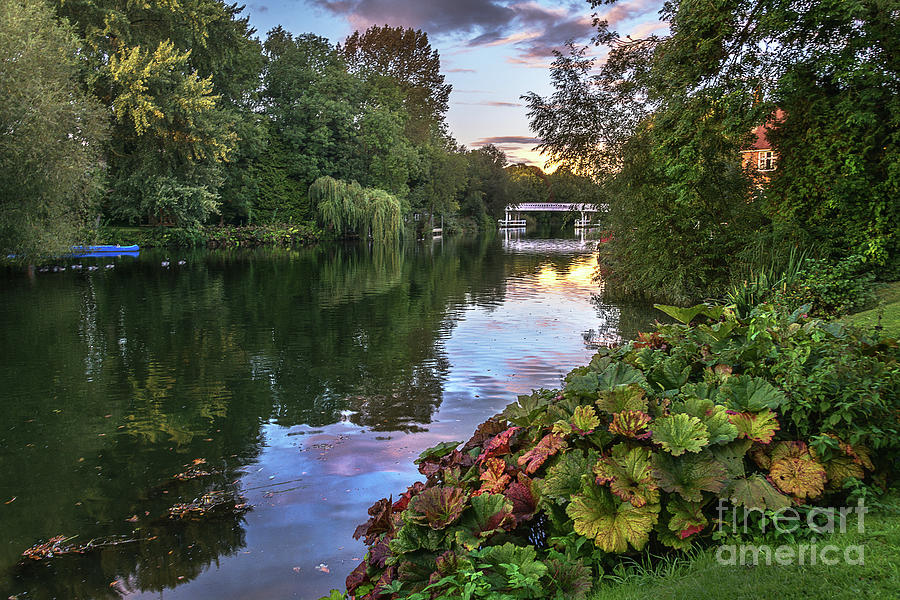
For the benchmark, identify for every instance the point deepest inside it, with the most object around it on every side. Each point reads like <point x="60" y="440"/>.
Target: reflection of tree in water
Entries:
<point x="620" y="322"/>
<point x="143" y="369"/>
<point x="165" y="555"/>
<point x="119" y="405"/>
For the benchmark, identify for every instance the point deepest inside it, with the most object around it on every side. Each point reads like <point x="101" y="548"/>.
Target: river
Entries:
<point x="303" y="382"/>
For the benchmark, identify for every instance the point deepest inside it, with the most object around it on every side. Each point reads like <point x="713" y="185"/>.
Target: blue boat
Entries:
<point x="89" y="251"/>
<point x="105" y="249"/>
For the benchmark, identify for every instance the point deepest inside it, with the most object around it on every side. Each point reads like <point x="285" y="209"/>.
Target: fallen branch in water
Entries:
<point x="57" y="546"/>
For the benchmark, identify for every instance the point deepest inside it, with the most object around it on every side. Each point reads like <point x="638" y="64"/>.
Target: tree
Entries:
<point x="312" y="103"/>
<point x="405" y="56"/>
<point x="673" y="113"/>
<point x="529" y="184"/>
<point x="50" y="149"/>
<point x="178" y="80"/>
<point x="488" y="189"/>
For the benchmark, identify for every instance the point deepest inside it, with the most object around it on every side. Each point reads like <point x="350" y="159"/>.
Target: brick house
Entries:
<point x="760" y="157"/>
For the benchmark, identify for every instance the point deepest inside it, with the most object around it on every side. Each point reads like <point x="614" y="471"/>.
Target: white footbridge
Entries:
<point x="514" y="219"/>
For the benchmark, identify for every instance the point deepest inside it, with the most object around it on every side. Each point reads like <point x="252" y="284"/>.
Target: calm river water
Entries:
<point x="306" y="380"/>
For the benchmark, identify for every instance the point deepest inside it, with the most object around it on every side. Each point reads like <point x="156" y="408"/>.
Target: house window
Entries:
<point x="416" y="216"/>
<point x="766" y="161"/>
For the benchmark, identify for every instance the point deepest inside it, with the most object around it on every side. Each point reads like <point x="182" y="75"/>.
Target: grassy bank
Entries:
<point x="703" y="578"/>
<point x="285" y="235"/>
<point x="887" y="313"/>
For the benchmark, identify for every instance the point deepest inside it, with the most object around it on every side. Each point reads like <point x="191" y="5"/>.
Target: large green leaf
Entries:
<point x="619" y="374"/>
<point x="523" y="411"/>
<point x="436" y="452"/>
<point x="689" y="475"/>
<point x="523" y="557"/>
<point x="629" y="397"/>
<point x="732" y="457"/>
<point x="631" y="424"/>
<point x="680" y="433"/>
<point x="628" y="473"/>
<point x="743" y="393"/>
<point x="488" y="514"/>
<point x="756" y="492"/>
<point x="613" y="525"/>
<point x="582" y="385"/>
<point x="670" y="374"/>
<point x="412" y="537"/>
<point x="687" y="517"/>
<point x="682" y="315"/>
<point x="564" y="477"/>
<point x="758" y="427"/>
<point x="713" y="416"/>
<point x="572" y="580"/>
<point x="437" y="507"/>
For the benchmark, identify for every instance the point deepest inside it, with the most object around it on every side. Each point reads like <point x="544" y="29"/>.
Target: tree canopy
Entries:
<point x="52" y="132"/>
<point x="663" y="120"/>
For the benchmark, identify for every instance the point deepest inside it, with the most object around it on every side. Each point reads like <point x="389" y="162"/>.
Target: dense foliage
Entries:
<point x="635" y="452"/>
<point x="349" y="207"/>
<point x="663" y="121"/>
<point x="207" y="123"/>
<point x="51" y="134"/>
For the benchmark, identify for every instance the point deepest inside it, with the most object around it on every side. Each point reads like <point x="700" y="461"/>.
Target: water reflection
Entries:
<point x="306" y="379"/>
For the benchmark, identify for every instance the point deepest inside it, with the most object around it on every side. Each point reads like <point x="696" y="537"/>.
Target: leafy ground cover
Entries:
<point x="886" y="314"/>
<point x="702" y="577"/>
<point x="635" y="454"/>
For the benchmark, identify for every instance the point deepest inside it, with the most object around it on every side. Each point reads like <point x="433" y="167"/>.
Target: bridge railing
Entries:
<point x="554" y="207"/>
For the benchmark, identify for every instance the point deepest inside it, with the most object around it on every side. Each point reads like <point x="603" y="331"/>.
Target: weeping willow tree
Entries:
<point x="349" y="207"/>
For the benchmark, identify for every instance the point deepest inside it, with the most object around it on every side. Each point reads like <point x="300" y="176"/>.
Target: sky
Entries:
<point x="492" y="51"/>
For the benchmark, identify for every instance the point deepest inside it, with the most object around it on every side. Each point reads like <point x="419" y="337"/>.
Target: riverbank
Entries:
<point x="637" y="456"/>
<point x="229" y="236"/>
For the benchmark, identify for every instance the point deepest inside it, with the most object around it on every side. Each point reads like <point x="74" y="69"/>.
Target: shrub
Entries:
<point x="768" y="411"/>
<point x="833" y="288"/>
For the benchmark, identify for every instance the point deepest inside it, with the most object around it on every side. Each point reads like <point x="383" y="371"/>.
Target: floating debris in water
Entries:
<point x="209" y="503"/>
<point x="58" y="546"/>
<point x="193" y="470"/>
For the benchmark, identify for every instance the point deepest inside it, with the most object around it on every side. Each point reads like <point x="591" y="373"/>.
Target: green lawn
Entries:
<point x="888" y="310"/>
<point x="703" y="578"/>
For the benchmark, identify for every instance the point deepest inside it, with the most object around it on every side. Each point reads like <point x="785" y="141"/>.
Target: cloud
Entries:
<point x="448" y="17"/>
<point x="497" y="104"/>
<point x="643" y="30"/>
<point x="533" y="29"/>
<point x="460" y="70"/>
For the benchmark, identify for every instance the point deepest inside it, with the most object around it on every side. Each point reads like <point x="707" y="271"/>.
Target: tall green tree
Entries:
<point x="488" y="189"/>
<point x="312" y="103"/>
<point x="177" y="78"/>
<point x="406" y="56"/>
<point x="50" y="148"/>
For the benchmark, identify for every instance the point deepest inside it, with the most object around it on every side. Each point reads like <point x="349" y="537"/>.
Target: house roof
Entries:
<point x="761" y="142"/>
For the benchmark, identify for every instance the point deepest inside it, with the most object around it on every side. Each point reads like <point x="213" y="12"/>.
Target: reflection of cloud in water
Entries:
<point x="545" y="247"/>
